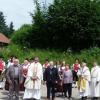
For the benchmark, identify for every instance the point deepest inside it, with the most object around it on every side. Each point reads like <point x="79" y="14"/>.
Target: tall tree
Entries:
<point x="3" y="26"/>
<point x="39" y="22"/>
<point x="66" y="23"/>
<point x="74" y="23"/>
<point x="11" y="28"/>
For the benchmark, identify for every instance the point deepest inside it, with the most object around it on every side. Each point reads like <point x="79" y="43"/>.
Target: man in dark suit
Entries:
<point x="51" y="77"/>
<point x="14" y="78"/>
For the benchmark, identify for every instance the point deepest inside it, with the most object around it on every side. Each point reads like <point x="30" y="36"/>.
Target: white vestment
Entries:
<point x="84" y="73"/>
<point x="35" y="69"/>
<point x="95" y="77"/>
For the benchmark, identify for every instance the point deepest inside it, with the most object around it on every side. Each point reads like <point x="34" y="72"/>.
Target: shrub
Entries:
<point x="22" y="52"/>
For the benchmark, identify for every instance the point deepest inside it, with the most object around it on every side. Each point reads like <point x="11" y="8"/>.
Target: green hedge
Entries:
<point x="23" y="52"/>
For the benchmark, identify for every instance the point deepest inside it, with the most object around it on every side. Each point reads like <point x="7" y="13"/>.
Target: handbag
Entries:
<point x="29" y="83"/>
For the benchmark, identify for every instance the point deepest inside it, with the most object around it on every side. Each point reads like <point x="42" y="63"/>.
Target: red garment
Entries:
<point x="76" y="67"/>
<point x="46" y="65"/>
<point x="1" y="65"/>
<point x="25" y="70"/>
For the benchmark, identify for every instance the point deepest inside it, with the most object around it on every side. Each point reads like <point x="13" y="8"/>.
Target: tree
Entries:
<point x="74" y="23"/>
<point x="11" y="29"/>
<point x="66" y="24"/>
<point x="39" y="25"/>
<point x="23" y="36"/>
<point x="3" y="27"/>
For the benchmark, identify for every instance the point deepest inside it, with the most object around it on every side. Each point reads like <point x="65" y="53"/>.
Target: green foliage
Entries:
<point x="90" y="55"/>
<point x="22" y="36"/>
<point x="74" y="23"/>
<point x="11" y="29"/>
<point x="64" y="24"/>
<point x="4" y="28"/>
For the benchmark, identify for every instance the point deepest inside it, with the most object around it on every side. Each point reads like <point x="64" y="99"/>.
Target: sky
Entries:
<point x="18" y="11"/>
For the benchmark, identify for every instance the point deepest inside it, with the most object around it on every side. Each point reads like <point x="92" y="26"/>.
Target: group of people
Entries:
<point x="79" y="75"/>
<point x="23" y="77"/>
<point x="89" y="81"/>
<point x="29" y="75"/>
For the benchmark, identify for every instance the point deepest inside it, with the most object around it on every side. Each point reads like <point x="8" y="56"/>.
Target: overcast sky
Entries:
<point x="18" y="11"/>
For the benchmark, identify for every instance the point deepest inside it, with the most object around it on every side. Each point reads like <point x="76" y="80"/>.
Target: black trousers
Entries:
<point x="68" y="88"/>
<point x="95" y="98"/>
<point x="75" y="77"/>
<point x="50" y="90"/>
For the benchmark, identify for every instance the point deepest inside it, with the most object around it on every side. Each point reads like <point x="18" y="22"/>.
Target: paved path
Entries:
<point x="3" y="94"/>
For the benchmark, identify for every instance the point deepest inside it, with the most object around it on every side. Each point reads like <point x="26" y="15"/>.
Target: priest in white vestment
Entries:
<point x="95" y="81"/>
<point x="84" y="81"/>
<point x="35" y="73"/>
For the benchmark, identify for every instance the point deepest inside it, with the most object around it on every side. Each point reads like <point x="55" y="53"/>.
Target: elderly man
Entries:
<point x="51" y="77"/>
<point x="95" y="81"/>
<point x="33" y="79"/>
<point x="14" y="78"/>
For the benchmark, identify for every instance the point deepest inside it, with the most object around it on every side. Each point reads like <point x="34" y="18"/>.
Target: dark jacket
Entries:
<point x="51" y="75"/>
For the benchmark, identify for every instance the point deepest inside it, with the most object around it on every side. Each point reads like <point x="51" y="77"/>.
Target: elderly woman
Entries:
<point x="67" y="81"/>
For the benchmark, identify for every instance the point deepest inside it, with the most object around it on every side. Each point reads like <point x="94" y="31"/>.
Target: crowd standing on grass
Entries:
<point x="57" y="76"/>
